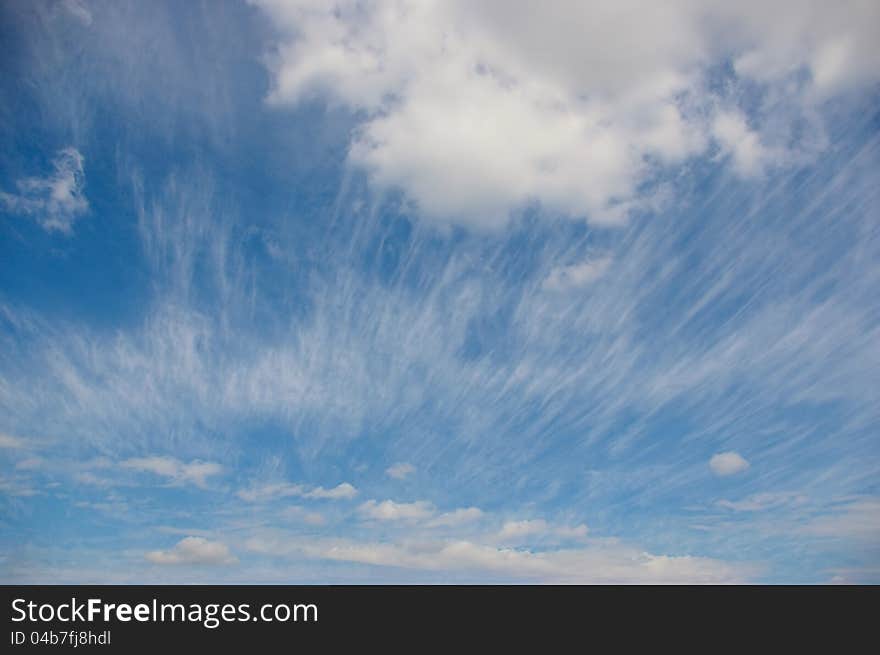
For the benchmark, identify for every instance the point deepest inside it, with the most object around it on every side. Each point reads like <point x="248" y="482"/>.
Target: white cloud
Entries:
<point x="572" y="531"/>
<point x="400" y="470"/>
<point x="189" y="532"/>
<point x="763" y="501"/>
<point x="520" y="529"/>
<point x="728" y="463"/>
<point x="576" y="276"/>
<point x="193" y="550"/>
<point x="507" y="105"/>
<point x="79" y="11"/>
<point x="859" y="520"/>
<point x="301" y="514"/>
<point x="11" y="443"/>
<point x="742" y="144"/>
<point x="54" y="201"/>
<point x="195" y="472"/>
<point x="270" y="492"/>
<point x="513" y="531"/>
<point x="342" y="491"/>
<point x="388" y="510"/>
<point x="456" y="517"/>
<point x="602" y="563"/>
<point x="17" y="487"/>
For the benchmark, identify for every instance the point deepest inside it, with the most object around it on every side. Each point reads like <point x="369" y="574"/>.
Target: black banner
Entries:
<point x="130" y="619"/>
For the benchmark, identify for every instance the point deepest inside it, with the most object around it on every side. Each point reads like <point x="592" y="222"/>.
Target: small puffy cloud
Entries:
<point x="576" y="276"/>
<point x="274" y="491"/>
<point x="388" y="510"/>
<point x="456" y="517"/>
<point x="193" y="550"/>
<point x="342" y="491"/>
<point x="400" y="470"/>
<point x="520" y="529"/>
<point x="54" y="201"/>
<point x="728" y="463"/>
<point x="195" y="472"/>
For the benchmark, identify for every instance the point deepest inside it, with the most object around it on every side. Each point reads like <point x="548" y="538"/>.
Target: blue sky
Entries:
<point x="439" y="292"/>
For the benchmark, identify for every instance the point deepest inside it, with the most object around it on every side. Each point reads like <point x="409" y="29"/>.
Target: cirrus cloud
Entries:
<point x="54" y="201"/>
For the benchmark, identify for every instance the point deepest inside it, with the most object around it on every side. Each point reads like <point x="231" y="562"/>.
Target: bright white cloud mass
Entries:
<point x="475" y="109"/>
<point x="398" y="291"/>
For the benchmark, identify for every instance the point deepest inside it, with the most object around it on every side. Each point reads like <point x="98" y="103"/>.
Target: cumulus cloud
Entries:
<point x="571" y="106"/>
<point x="388" y="510"/>
<point x="54" y="201"/>
<point x="193" y="550"/>
<point x="400" y="470"/>
<point x="195" y="472"/>
<point x="728" y="463"/>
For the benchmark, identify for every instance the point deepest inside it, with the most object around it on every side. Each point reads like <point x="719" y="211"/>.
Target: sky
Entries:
<point x="400" y="291"/>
